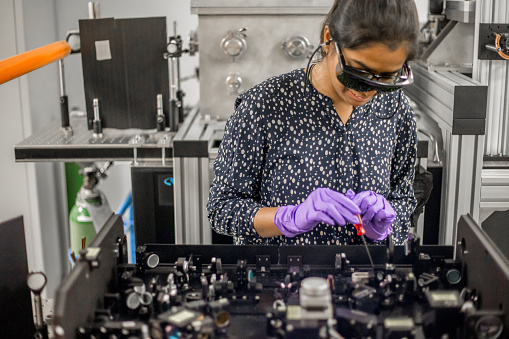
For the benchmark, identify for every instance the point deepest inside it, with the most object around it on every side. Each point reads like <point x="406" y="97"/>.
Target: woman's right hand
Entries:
<point x="377" y="213"/>
<point x="321" y="205"/>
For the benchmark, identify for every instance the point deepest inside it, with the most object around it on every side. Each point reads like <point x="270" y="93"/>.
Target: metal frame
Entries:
<point x="441" y="96"/>
<point x="494" y="191"/>
<point x="494" y="74"/>
<point x="53" y="144"/>
<point x="192" y="182"/>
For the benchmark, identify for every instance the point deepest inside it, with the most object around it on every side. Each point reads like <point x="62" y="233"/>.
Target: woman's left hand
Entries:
<point x="376" y="212"/>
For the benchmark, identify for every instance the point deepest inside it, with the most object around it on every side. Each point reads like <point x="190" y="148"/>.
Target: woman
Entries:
<point x="299" y="145"/>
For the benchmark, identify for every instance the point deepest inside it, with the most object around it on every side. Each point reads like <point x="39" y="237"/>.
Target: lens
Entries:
<point x="355" y="84"/>
<point x="367" y="76"/>
<point x="386" y="79"/>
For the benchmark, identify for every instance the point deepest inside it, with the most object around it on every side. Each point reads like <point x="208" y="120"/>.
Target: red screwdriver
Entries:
<point x="360" y="232"/>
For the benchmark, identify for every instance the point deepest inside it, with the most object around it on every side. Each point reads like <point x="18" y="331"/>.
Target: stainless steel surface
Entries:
<point x="61" y="75"/>
<point x="52" y="144"/>
<point x="452" y="49"/>
<point x="93" y="10"/>
<point x="492" y="48"/>
<point x="255" y="55"/>
<point x="96" y="110"/>
<point x="173" y="66"/>
<point x="159" y="99"/>
<point x="460" y="10"/>
<point x="212" y="7"/>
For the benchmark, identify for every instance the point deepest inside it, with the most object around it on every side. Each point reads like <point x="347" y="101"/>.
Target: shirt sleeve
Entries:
<point x="234" y="197"/>
<point x="401" y="195"/>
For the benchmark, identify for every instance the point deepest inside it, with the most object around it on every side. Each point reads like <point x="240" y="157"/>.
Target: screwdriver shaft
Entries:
<point x="360" y="232"/>
<point x="367" y="250"/>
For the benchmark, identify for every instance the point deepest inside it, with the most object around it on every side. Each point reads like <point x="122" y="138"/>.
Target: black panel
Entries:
<point x="190" y="148"/>
<point x="496" y="227"/>
<point x="221" y="238"/>
<point x="470" y="102"/>
<point x="170" y="253"/>
<point x="485" y="267"/>
<point x="422" y="149"/>
<point x="494" y="158"/>
<point x="16" y="320"/>
<point x="78" y="153"/>
<point x="82" y="289"/>
<point x="153" y="205"/>
<point x="432" y="209"/>
<point x="378" y="254"/>
<point x="126" y="85"/>
<point x="468" y="126"/>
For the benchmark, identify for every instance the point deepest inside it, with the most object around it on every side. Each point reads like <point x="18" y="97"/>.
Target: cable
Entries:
<point x="308" y="68"/>
<point x="499" y="49"/>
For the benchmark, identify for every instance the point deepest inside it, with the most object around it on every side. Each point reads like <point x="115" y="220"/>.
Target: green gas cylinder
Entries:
<point x="80" y="221"/>
<point x="80" y="225"/>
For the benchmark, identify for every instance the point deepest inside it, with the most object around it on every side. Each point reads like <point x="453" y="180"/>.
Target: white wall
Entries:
<point x="422" y="10"/>
<point x="32" y="190"/>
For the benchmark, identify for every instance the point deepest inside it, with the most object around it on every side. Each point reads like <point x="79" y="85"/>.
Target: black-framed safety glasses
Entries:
<point x="383" y="83"/>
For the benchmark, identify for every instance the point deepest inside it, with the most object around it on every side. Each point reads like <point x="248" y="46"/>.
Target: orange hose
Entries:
<point x="497" y="45"/>
<point x="23" y="63"/>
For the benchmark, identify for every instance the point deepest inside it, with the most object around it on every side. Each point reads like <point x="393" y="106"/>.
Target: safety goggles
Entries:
<point x="365" y="81"/>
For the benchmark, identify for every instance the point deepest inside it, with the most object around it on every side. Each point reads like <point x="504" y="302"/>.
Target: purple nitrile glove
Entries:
<point x="321" y="205"/>
<point x="377" y="213"/>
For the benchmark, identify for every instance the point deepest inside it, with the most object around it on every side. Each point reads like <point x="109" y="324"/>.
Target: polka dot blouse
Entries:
<point x="285" y="140"/>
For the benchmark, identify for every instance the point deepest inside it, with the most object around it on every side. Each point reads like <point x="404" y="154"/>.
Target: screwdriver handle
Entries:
<point x="359" y="227"/>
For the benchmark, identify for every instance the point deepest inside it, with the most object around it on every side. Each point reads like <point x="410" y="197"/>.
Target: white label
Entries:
<point x="83" y="218"/>
<point x="102" y="50"/>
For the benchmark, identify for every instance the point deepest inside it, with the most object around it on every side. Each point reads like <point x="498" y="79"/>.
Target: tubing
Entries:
<point x="499" y="49"/>
<point x="125" y="204"/>
<point x="23" y="63"/>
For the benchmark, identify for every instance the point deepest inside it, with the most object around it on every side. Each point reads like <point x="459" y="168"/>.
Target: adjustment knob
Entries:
<point x="233" y="47"/>
<point x="234" y="43"/>
<point x="314" y="293"/>
<point x="172" y="47"/>
<point x="234" y="84"/>
<point x="297" y="47"/>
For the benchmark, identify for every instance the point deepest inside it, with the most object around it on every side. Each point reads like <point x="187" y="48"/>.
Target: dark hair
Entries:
<point x="353" y="24"/>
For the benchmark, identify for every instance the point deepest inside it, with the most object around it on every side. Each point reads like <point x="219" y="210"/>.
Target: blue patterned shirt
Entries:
<point x="285" y="140"/>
